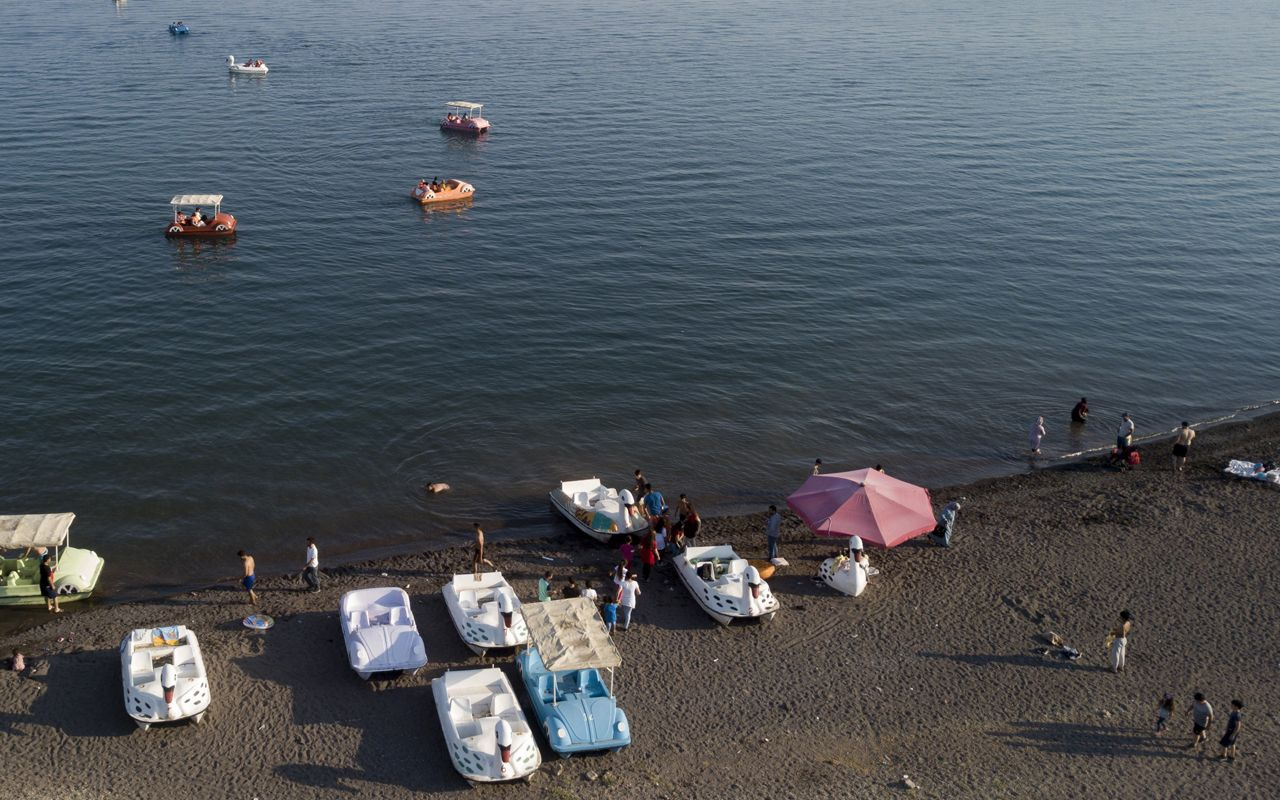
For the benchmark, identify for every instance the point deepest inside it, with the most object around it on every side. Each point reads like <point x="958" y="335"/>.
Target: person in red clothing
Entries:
<point x="649" y="555"/>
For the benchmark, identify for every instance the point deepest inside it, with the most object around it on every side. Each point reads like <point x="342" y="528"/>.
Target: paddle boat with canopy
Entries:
<point x="380" y="633"/>
<point x="464" y="117"/>
<point x="251" y="66"/>
<point x="450" y="190"/>
<point x="599" y="511"/>
<point x="197" y="224"/>
<point x="76" y="570"/>
<point x="485" y="731"/>
<point x="486" y="611"/>
<point x="726" y="586"/>
<point x="164" y="676"/>
<point x="561" y="673"/>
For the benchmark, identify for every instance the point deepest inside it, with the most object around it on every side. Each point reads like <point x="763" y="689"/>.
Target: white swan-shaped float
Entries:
<point x="250" y="67"/>
<point x="847" y="573"/>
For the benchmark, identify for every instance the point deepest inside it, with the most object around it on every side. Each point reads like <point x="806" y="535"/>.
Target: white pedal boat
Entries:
<point x="379" y="631"/>
<point x="163" y="675"/>
<point x="486" y="612"/>
<point x="844" y="575"/>
<point x="726" y="586"/>
<point x="484" y="728"/>
<point x="597" y="510"/>
<point x="247" y="68"/>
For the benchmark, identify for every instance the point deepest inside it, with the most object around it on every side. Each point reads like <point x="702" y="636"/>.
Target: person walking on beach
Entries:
<point x="628" y="550"/>
<point x="1234" y="722"/>
<point x="1080" y="412"/>
<point x="1124" y="435"/>
<point x="649" y="555"/>
<point x="544" y="587"/>
<point x="46" y="584"/>
<point x="627" y="594"/>
<point x="609" y="613"/>
<point x="1181" y="445"/>
<point x="1201" y="718"/>
<point x="1163" y="712"/>
<point x="1037" y="433"/>
<point x="772" y="531"/>
<point x="1118" y="641"/>
<point x="477" y="555"/>
<point x="311" y="567"/>
<point x="250" y="578"/>
<point x="619" y="574"/>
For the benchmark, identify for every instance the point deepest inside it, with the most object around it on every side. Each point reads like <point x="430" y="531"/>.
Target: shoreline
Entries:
<point x="935" y="672"/>
<point x="1260" y="412"/>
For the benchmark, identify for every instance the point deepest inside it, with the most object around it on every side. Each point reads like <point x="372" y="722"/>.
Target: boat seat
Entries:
<point x="467" y="599"/>
<point x="738" y="566"/>
<point x="140" y="668"/>
<point x="581" y="500"/>
<point x="397" y="616"/>
<point x="502" y="703"/>
<point x="460" y="708"/>
<point x="183" y="654"/>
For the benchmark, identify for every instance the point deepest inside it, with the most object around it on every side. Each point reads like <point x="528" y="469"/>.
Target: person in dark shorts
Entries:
<point x="1182" y="445"/>
<point x="249" y="578"/>
<point x="46" y="584"/>
<point x="1201" y="718"/>
<point x="1234" y="722"/>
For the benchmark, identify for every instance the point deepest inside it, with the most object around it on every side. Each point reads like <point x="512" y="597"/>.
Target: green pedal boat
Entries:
<point x="25" y="536"/>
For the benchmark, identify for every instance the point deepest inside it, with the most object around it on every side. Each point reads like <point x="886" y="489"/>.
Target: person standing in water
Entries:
<point x="1080" y="413"/>
<point x="1037" y="433"/>
<point x="46" y="584"/>
<point x="1181" y="445"/>
<point x="250" y="578"/>
<point x="1124" y="434"/>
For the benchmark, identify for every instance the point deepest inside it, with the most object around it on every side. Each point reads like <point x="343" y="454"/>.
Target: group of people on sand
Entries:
<point x="309" y="574"/>
<point x="1125" y="453"/>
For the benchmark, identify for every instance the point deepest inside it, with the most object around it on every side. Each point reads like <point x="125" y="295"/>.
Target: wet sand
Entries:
<point x="934" y="672"/>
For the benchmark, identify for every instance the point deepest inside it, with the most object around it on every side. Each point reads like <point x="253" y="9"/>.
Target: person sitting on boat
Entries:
<point x="197" y="218"/>
<point x="182" y="218"/>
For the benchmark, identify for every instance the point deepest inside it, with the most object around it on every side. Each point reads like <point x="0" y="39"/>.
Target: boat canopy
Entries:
<point x="196" y="200"/>
<point x="569" y="635"/>
<point x="464" y="105"/>
<point x="34" y="530"/>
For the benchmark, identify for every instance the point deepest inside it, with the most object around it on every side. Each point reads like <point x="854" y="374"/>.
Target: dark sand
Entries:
<point x="932" y="673"/>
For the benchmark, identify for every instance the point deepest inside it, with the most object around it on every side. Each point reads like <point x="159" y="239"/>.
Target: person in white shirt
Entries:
<point x="1124" y="435"/>
<point x="588" y="592"/>
<point x="311" y="570"/>
<point x="627" y="595"/>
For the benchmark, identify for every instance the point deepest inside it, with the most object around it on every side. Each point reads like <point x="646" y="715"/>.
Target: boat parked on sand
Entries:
<point x="251" y="66"/>
<point x="844" y="574"/>
<point x="484" y="729"/>
<point x="379" y="631"/>
<point x="598" y="511"/>
<point x="164" y="676"/>
<point x="486" y="611"/>
<point x="75" y="572"/>
<point x="463" y="117"/>
<point x="726" y="586"/>
<point x="451" y="190"/>
<point x="197" y="224"/>
<point x="561" y="674"/>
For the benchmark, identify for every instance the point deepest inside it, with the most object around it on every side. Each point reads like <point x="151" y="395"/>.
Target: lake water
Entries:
<point x="714" y="240"/>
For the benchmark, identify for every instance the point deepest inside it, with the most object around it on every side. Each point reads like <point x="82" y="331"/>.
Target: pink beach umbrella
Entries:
<point x="883" y="510"/>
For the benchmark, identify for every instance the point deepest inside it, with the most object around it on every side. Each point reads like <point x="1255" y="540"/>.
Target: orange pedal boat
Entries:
<point x="450" y="190"/>
<point x="198" y="224"/>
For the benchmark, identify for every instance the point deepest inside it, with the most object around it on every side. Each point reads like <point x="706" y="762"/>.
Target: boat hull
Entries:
<point x="565" y="507"/>
<point x="577" y="722"/>
<point x="845" y="577"/>
<point x="479" y="637"/>
<point x="469" y="739"/>
<point x="140" y="674"/>
<point x="454" y="192"/>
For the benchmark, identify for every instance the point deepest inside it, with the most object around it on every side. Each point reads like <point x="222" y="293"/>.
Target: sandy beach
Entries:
<point x="935" y="672"/>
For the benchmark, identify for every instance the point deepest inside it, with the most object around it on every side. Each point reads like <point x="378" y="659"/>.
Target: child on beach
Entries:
<point x="1163" y="713"/>
<point x="1201" y="718"/>
<point x="609" y="613"/>
<point x="628" y="551"/>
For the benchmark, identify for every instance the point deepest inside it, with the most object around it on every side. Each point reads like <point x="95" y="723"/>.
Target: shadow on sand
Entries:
<point x="1077" y="739"/>
<point x="1015" y="660"/>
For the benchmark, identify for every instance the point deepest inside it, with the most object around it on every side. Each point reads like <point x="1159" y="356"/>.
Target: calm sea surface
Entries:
<point x="714" y="240"/>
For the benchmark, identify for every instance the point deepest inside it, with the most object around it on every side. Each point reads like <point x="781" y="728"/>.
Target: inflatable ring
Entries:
<point x="220" y="228"/>
<point x="176" y="229"/>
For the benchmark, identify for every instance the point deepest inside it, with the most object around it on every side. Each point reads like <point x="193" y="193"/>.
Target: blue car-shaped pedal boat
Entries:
<point x="575" y="708"/>
<point x="178" y="27"/>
